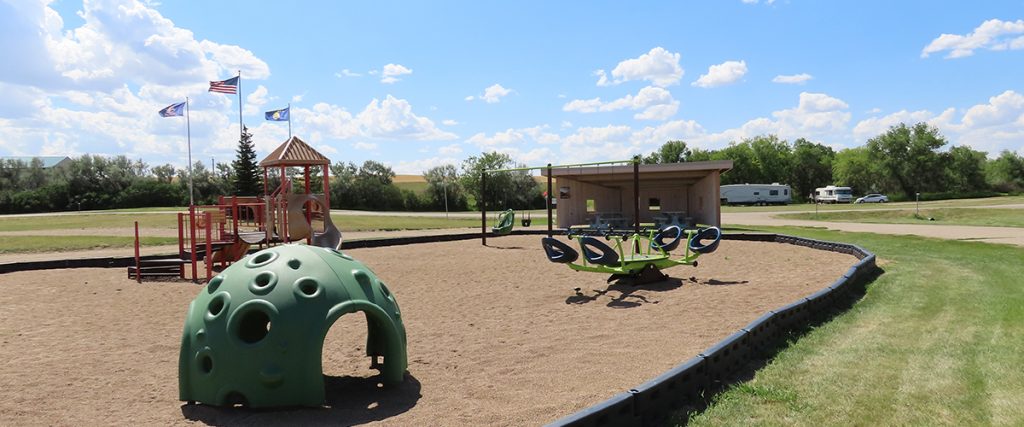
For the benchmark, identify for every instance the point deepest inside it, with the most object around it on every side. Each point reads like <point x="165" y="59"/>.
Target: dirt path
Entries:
<point x="1008" y="235"/>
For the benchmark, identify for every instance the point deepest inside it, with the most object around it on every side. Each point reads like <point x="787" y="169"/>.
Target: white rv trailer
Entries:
<point x="756" y="194"/>
<point x="833" y="194"/>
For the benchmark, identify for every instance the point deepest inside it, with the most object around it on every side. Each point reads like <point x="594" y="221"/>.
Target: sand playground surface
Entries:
<point x="496" y="336"/>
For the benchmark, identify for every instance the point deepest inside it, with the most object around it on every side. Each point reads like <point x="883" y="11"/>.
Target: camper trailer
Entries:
<point x="756" y="194"/>
<point x="833" y="194"/>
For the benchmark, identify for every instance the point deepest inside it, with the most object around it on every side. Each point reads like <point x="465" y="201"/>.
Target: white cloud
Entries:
<point x="391" y="72"/>
<point x="728" y="72"/>
<point x="450" y="149"/>
<point x="365" y="146"/>
<point x="658" y="66"/>
<point x="390" y="118"/>
<point x="298" y="98"/>
<point x="992" y="34"/>
<point x="470" y="98"/>
<point x="255" y="101"/>
<point x="449" y="122"/>
<point x="566" y="124"/>
<point x="345" y="72"/>
<point x="767" y="2"/>
<point x="993" y="126"/>
<point x="798" y="79"/>
<point x="655" y="103"/>
<point x="817" y="116"/>
<point x="393" y="118"/>
<point x="416" y="167"/>
<point x="493" y="94"/>
<point x="125" y="41"/>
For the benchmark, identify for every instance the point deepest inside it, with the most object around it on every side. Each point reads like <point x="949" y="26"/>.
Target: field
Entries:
<point x="504" y="341"/>
<point x="115" y="229"/>
<point x="937" y="340"/>
<point x="951" y="216"/>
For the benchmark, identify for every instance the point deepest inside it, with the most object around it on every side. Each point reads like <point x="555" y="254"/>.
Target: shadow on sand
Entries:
<point x="350" y="401"/>
<point x="626" y="296"/>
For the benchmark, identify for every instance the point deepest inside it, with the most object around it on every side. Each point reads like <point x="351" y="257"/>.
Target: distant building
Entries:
<point x="49" y="162"/>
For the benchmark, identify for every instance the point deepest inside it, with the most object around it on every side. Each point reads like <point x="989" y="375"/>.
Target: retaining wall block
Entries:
<point x="791" y="315"/>
<point x="680" y="386"/>
<point x="840" y="289"/>
<point x="820" y="302"/>
<point x="762" y="334"/>
<point x="726" y="357"/>
<point x="614" y="412"/>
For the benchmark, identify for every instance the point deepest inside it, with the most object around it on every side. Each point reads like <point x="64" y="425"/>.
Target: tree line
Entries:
<point x="900" y="162"/>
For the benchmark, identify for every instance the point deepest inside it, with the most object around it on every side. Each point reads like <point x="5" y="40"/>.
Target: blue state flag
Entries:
<point x="278" y="115"/>
<point x="173" y="110"/>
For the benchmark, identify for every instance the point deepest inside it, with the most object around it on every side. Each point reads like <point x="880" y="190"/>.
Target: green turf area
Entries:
<point x="809" y="207"/>
<point x="417" y="187"/>
<point x="947" y="216"/>
<point x="20" y="244"/>
<point x="389" y="223"/>
<point x="937" y="340"/>
<point x="169" y="221"/>
<point x="87" y="221"/>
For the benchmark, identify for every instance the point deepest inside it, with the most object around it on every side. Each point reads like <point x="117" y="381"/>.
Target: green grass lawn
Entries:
<point x="84" y="221"/>
<point x="389" y="223"/>
<point x="948" y="216"/>
<point x="21" y="244"/>
<point x="938" y="339"/>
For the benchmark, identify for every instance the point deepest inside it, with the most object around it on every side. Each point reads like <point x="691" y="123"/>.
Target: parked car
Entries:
<point x="872" y="198"/>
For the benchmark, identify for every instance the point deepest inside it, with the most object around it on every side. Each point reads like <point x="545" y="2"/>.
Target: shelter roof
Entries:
<point x="294" y="152"/>
<point x="650" y="175"/>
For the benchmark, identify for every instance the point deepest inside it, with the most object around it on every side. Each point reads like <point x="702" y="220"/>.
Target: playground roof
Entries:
<point x="669" y="174"/>
<point x="295" y="152"/>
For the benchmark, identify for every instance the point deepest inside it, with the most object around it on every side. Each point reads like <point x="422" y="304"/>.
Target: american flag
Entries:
<point x="225" y="86"/>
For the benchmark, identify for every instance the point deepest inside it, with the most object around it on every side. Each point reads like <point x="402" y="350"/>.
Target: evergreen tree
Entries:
<point x="247" y="173"/>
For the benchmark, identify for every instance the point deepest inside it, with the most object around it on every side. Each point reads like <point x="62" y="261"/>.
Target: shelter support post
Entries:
<point x="548" y="199"/>
<point x="138" y="262"/>
<point x="636" y="195"/>
<point x="483" y="208"/>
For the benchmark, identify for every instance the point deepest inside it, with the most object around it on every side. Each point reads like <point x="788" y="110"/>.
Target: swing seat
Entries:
<point x="559" y="252"/>
<point x="671" y="232"/>
<point x="596" y="252"/>
<point x="711" y="233"/>
<point x="505" y="224"/>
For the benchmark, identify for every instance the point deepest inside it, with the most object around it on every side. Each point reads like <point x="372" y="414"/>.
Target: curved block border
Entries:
<point x="692" y="383"/>
<point x="688" y="385"/>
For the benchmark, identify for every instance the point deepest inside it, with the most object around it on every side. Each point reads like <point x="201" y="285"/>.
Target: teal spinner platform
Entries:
<point x="254" y="335"/>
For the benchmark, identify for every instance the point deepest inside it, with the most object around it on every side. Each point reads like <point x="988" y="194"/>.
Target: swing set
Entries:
<point x="507" y="218"/>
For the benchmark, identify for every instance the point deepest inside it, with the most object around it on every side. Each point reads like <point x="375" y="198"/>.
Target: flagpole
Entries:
<point x="188" y="133"/>
<point x="289" y="121"/>
<point x="240" y="131"/>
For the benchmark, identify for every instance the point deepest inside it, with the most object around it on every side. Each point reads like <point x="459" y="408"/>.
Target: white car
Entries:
<point x="872" y="198"/>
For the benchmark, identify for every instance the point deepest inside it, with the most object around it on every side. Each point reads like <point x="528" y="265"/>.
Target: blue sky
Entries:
<point x="419" y="84"/>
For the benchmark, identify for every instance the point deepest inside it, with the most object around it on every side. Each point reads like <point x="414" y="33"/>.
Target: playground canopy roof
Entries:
<point x="651" y="176"/>
<point x="295" y="152"/>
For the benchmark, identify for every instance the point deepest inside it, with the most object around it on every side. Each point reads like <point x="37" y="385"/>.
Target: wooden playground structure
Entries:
<point x="220" y="234"/>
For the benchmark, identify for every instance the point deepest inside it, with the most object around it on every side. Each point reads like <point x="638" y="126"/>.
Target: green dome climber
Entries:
<point x="255" y="334"/>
